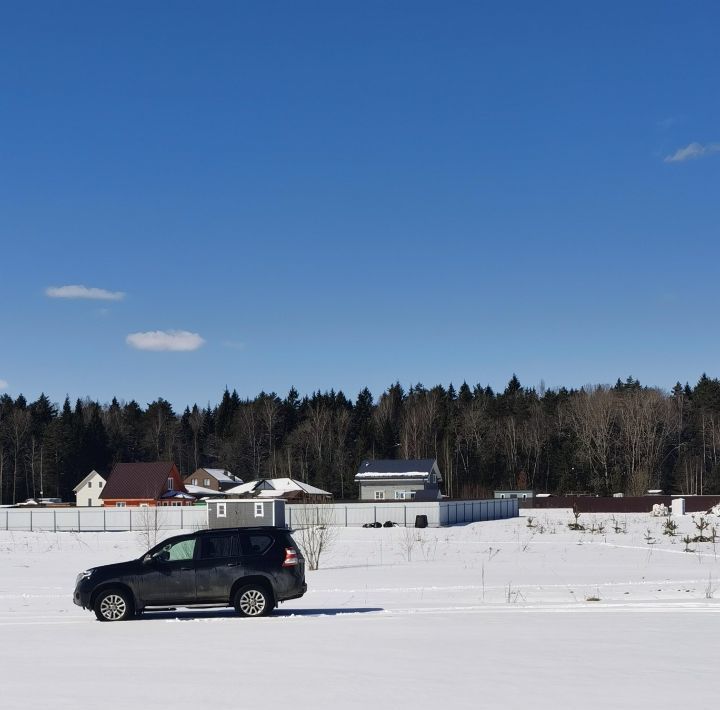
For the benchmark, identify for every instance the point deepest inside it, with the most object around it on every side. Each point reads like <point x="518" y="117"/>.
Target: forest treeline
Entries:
<point x="597" y="439"/>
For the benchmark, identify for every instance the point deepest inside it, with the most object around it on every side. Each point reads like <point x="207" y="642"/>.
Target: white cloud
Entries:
<point x="692" y="151"/>
<point x="76" y="291"/>
<point x="157" y="340"/>
<point x="3" y="384"/>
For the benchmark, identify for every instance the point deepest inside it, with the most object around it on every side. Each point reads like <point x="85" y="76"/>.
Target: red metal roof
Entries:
<point x="147" y="481"/>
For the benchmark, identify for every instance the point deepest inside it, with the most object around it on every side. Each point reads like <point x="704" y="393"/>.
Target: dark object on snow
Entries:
<point x="377" y="525"/>
<point x="421" y="521"/>
<point x="389" y="524"/>
<point x="252" y="569"/>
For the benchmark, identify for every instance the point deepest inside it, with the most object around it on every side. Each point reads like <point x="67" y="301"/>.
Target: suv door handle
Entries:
<point x="185" y="569"/>
<point x="233" y="564"/>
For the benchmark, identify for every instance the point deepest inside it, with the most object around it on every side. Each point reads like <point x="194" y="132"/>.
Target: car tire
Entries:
<point x="253" y="600"/>
<point x="113" y="605"/>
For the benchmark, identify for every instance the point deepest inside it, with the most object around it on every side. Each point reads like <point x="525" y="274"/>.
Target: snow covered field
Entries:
<point x="482" y="615"/>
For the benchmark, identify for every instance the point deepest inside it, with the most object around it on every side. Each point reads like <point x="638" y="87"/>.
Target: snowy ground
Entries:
<point x="483" y="614"/>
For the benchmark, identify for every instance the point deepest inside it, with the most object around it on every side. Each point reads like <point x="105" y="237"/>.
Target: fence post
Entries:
<point x="405" y="515"/>
<point x="182" y="527"/>
<point x="78" y="520"/>
<point x="374" y="514"/>
<point x="54" y="520"/>
<point x="31" y="521"/>
<point x="345" y="516"/>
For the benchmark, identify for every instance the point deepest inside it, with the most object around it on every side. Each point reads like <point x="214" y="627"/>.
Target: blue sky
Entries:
<point x="327" y="194"/>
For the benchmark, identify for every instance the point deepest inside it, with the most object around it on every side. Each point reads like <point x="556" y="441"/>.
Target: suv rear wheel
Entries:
<point x="113" y="605"/>
<point x="253" y="600"/>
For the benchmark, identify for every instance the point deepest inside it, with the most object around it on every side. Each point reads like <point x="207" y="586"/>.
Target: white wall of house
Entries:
<point x="88" y="492"/>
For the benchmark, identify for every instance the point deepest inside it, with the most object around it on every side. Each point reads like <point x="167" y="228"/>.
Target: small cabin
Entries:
<point x="87" y="492"/>
<point x="246" y="512"/>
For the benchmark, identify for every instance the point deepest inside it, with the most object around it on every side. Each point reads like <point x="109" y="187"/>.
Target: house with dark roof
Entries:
<point x="214" y="479"/>
<point x="145" y="484"/>
<point x="399" y="479"/>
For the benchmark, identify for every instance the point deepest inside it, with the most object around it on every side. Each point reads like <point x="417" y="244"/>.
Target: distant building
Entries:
<point x="215" y="479"/>
<point x="521" y="494"/>
<point x="286" y="488"/>
<point x="399" y="479"/>
<point x="243" y="512"/>
<point x="145" y="484"/>
<point x="87" y="492"/>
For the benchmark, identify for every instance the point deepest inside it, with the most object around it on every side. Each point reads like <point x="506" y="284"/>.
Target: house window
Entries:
<point x="258" y="510"/>
<point x="222" y="510"/>
<point x="206" y="482"/>
<point x="120" y="504"/>
<point x="171" y="484"/>
<point x="194" y="481"/>
<point x="401" y="495"/>
<point x="379" y="495"/>
<point x="412" y="495"/>
<point x="89" y="484"/>
<point x="100" y="484"/>
<point x="143" y="505"/>
<point x="89" y="501"/>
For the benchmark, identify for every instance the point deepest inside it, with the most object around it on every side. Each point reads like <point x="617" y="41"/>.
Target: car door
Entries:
<point x="168" y="577"/>
<point x="217" y="566"/>
<point x="255" y="553"/>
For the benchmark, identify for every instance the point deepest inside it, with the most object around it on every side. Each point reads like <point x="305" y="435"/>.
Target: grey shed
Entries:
<point x="246" y="512"/>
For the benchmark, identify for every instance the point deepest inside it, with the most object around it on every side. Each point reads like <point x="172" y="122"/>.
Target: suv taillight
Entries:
<point x="291" y="558"/>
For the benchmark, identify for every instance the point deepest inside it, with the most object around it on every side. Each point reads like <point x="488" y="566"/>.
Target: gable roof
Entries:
<point x="397" y="468"/>
<point x="140" y="480"/>
<point x="87" y="478"/>
<point x="272" y="487"/>
<point x="219" y="474"/>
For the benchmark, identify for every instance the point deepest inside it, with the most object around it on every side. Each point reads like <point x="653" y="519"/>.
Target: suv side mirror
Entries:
<point x="147" y="559"/>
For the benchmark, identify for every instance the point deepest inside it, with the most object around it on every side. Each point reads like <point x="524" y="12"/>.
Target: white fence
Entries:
<point x="194" y="518"/>
<point x="438" y="513"/>
<point x="99" y="519"/>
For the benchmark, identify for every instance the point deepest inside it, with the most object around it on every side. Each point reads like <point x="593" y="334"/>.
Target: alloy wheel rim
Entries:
<point x="252" y="602"/>
<point x="113" y="607"/>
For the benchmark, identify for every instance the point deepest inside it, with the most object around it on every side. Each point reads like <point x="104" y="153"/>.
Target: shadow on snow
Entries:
<point x="199" y="614"/>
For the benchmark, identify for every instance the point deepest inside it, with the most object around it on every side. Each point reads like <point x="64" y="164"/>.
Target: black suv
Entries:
<point x="252" y="569"/>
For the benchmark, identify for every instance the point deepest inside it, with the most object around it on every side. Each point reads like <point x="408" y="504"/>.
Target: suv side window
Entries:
<point x="255" y="543"/>
<point x="176" y="551"/>
<point x="214" y="547"/>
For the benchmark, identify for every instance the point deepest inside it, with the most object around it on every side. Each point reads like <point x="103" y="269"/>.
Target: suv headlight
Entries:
<point x="83" y="575"/>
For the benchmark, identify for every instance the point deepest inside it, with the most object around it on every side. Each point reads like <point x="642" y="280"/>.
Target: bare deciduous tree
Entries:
<point x="315" y="531"/>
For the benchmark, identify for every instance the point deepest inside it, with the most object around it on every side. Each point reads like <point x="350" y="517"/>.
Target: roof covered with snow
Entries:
<point x="220" y="474"/>
<point x="199" y="491"/>
<point x="274" y="487"/>
<point x="398" y="468"/>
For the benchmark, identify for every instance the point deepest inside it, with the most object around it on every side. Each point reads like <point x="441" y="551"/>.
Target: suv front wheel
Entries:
<point x="113" y="605"/>
<point x="253" y="600"/>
